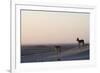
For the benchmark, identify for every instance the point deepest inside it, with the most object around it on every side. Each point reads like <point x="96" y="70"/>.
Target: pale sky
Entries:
<point x="45" y="27"/>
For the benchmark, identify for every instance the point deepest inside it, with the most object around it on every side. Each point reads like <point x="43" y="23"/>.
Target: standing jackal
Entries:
<point x="80" y="42"/>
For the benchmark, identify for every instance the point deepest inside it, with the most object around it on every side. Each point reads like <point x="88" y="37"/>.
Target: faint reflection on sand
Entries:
<point x="71" y="51"/>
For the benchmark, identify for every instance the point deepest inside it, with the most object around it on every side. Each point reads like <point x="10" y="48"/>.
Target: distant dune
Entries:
<point x="72" y="51"/>
<point x="48" y="53"/>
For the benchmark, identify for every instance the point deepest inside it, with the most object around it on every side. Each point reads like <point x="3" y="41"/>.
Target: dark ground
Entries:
<point x="45" y="53"/>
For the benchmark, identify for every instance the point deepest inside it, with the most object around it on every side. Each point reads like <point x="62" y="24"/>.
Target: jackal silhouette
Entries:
<point x="80" y="42"/>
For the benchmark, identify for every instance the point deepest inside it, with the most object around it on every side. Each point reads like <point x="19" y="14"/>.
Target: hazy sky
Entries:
<point x="43" y="27"/>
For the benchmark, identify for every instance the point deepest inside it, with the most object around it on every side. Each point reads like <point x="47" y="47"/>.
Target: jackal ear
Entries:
<point x="77" y="37"/>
